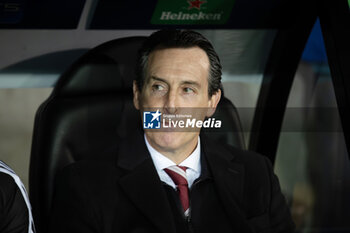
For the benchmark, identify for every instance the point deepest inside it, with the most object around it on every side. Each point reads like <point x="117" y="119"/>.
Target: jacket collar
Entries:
<point x="142" y="184"/>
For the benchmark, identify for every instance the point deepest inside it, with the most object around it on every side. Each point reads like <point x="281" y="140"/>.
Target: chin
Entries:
<point x="169" y="141"/>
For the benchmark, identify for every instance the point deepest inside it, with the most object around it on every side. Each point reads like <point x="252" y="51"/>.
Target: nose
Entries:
<point x="171" y="103"/>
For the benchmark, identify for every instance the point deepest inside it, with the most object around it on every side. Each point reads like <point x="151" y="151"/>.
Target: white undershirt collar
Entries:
<point x="192" y="162"/>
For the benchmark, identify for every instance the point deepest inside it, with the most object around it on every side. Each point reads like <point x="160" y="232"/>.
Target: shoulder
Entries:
<point x="13" y="210"/>
<point x="257" y="168"/>
<point x="235" y="154"/>
<point x="8" y="187"/>
<point x="251" y="159"/>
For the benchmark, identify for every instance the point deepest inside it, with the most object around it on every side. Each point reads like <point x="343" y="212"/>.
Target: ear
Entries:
<point x="137" y="95"/>
<point x="213" y="102"/>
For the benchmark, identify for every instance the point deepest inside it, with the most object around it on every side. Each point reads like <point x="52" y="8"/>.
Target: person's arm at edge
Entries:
<point x="13" y="210"/>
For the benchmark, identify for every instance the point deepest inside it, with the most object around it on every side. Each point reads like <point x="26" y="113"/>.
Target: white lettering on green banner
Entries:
<point x="192" y="12"/>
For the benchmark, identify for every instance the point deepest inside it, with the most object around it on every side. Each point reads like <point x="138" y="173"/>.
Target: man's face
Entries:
<point x="176" y="78"/>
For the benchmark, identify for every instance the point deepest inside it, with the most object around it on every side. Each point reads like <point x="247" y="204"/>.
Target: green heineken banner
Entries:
<point x="192" y="12"/>
<point x="349" y="3"/>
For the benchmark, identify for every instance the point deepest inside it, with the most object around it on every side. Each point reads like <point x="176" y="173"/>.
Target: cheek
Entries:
<point x="152" y="100"/>
<point x="196" y="100"/>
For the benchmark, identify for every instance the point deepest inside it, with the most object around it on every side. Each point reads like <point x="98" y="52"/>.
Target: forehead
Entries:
<point x="191" y="61"/>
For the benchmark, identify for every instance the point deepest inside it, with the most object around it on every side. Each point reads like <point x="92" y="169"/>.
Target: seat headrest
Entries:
<point x="109" y="67"/>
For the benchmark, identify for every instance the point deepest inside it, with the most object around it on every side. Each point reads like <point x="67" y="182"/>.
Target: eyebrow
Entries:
<point x="194" y="83"/>
<point x="159" y="79"/>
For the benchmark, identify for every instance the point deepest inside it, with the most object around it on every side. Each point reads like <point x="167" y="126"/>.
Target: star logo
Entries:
<point x="151" y="120"/>
<point x="195" y="4"/>
<point x="156" y="115"/>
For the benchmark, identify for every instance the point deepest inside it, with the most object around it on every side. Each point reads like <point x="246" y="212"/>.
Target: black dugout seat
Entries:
<point x="89" y="109"/>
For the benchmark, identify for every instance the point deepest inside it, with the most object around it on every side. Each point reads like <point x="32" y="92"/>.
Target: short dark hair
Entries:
<point x="174" y="38"/>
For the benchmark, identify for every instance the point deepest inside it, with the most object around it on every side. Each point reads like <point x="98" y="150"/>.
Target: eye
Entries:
<point x="188" y="90"/>
<point x="157" y="87"/>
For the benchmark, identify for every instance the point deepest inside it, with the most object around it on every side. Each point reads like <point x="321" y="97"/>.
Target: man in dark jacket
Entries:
<point x="171" y="180"/>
